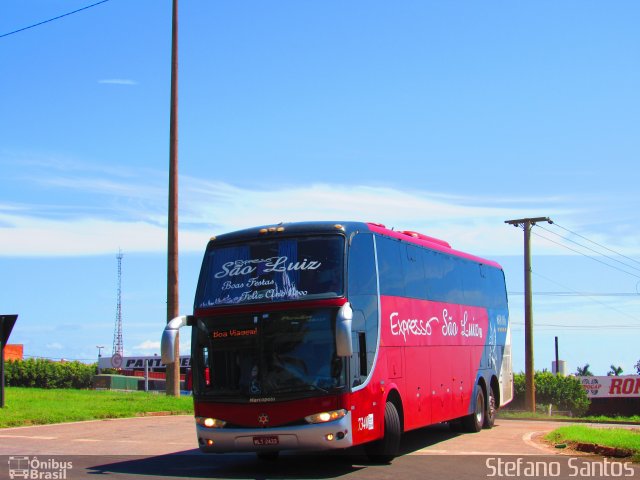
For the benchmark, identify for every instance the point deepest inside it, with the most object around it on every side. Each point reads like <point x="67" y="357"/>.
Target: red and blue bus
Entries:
<point x="327" y="335"/>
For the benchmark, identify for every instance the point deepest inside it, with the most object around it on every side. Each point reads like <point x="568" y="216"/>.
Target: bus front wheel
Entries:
<point x="474" y="422"/>
<point x="386" y="449"/>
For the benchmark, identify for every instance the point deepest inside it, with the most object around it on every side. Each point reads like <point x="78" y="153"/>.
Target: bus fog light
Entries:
<point x="209" y="442"/>
<point x="340" y="435"/>
<point x="329" y="437"/>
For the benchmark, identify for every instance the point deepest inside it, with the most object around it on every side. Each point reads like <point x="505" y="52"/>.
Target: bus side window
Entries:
<point x="496" y="286"/>
<point x="362" y="350"/>
<point x="473" y="281"/>
<point x="414" y="272"/>
<point x="390" y="260"/>
<point x="433" y="271"/>
<point x="359" y="358"/>
<point x="363" y="296"/>
<point x="362" y="268"/>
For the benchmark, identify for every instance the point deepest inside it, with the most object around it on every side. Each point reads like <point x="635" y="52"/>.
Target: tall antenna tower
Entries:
<point x="118" y="346"/>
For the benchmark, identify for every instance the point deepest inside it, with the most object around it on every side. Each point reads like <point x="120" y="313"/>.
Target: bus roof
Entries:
<point x="429" y="242"/>
<point x="347" y="228"/>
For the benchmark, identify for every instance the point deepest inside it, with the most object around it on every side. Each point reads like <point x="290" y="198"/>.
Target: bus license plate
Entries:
<point x="266" y="441"/>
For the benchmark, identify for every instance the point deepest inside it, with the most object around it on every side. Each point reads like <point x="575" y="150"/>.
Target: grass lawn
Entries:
<point x="35" y="406"/>
<point x="611" y="437"/>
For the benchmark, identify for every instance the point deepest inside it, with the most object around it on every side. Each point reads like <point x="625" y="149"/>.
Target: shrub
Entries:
<point x="564" y="393"/>
<point x="36" y="372"/>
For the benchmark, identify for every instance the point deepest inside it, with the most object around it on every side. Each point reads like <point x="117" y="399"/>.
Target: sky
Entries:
<point x="446" y="118"/>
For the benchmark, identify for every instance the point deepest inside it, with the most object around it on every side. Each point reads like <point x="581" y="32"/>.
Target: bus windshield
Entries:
<point x="272" y="270"/>
<point x="268" y="355"/>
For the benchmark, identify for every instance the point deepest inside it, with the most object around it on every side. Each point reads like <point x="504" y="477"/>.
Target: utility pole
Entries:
<point x="173" y="306"/>
<point x="557" y="372"/>
<point x="530" y="389"/>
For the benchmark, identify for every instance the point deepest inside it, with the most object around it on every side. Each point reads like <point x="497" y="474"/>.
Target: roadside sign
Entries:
<point x="137" y="363"/>
<point x="116" y="360"/>
<point x="6" y="325"/>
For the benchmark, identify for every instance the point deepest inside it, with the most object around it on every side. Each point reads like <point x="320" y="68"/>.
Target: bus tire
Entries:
<point x="490" y="416"/>
<point x="386" y="449"/>
<point x="473" y="423"/>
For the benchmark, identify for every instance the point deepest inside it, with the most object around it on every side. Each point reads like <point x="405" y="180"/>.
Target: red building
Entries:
<point x="14" y="352"/>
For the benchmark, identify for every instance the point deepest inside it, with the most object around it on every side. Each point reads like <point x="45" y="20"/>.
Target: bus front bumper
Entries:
<point x="319" y="436"/>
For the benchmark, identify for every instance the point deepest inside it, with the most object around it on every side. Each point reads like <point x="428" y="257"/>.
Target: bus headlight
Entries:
<point x="324" y="417"/>
<point x="210" y="422"/>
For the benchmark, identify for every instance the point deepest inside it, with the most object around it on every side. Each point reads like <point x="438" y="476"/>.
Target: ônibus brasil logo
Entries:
<point x="33" y="468"/>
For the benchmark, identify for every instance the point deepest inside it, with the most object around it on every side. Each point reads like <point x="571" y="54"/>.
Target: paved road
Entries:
<point x="166" y="435"/>
<point x="164" y="447"/>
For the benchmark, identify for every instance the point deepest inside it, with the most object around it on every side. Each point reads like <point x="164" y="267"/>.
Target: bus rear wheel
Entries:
<point x="473" y="423"/>
<point x="386" y="449"/>
<point x="490" y="417"/>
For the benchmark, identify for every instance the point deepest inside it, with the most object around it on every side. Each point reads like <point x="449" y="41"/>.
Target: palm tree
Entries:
<point x="584" y="371"/>
<point x="615" y="371"/>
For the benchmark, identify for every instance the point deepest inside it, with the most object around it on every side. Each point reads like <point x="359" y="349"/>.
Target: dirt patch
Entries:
<point x="573" y="448"/>
<point x="602" y="450"/>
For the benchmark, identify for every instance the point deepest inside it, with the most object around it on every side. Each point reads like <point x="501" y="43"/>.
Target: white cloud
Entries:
<point x="55" y="346"/>
<point x="148" y="345"/>
<point x="117" y="81"/>
<point x="115" y="210"/>
<point x="31" y="236"/>
<point x="152" y="347"/>
<point x="213" y="208"/>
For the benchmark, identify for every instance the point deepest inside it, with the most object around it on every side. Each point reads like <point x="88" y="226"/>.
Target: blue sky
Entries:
<point x="441" y="117"/>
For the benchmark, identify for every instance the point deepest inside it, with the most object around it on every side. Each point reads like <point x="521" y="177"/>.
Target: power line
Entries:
<point x="588" y="256"/>
<point x="593" y="300"/>
<point x="52" y="19"/>
<point x="592" y="250"/>
<point x="580" y="294"/>
<point x="596" y="243"/>
<point x="581" y="327"/>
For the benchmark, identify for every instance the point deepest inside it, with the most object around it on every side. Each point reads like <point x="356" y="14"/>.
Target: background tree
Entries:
<point x="637" y="365"/>
<point x="615" y="371"/>
<point x="41" y="373"/>
<point x="565" y="393"/>
<point x="584" y="371"/>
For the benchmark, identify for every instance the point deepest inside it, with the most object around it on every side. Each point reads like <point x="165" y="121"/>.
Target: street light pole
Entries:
<point x="99" y="347"/>
<point x="530" y="389"/>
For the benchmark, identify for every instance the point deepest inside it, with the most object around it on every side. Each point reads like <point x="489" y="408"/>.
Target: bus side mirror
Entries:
<point x="344" y="345"/>
<point x="168" y="342"/>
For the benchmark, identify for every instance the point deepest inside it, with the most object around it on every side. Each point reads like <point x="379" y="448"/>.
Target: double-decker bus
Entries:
<point x="326" y="335"/>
